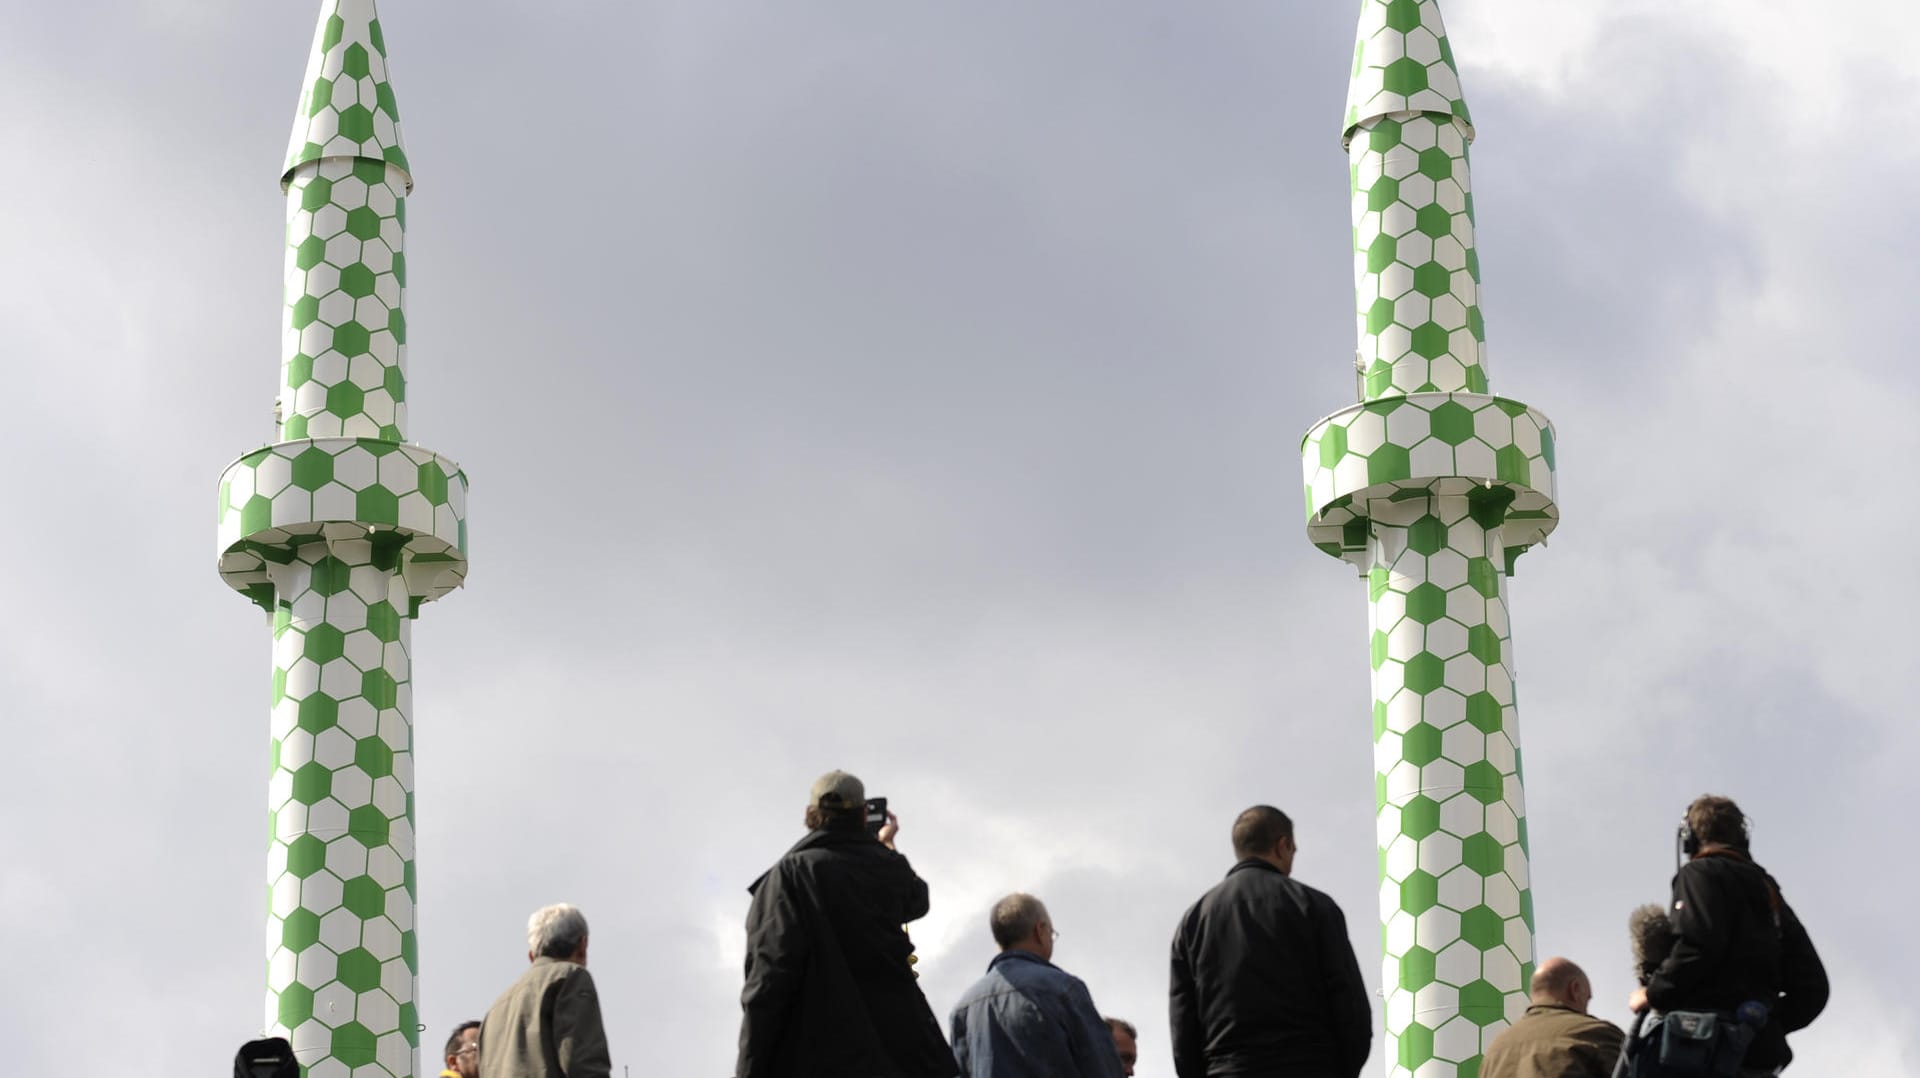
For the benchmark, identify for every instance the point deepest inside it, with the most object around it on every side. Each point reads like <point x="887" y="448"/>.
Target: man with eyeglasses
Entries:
<point x="463" y="1051"/>
<point x="1028" y="1018"/>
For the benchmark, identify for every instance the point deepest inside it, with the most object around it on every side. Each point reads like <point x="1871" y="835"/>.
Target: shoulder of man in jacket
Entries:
<point x="1554" y="1039"/>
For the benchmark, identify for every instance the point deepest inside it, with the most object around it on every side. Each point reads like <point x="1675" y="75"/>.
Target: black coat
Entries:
<point x="1265" y="982"/>
<point x="1735" y="940"/>
<point x="829" y="991"/>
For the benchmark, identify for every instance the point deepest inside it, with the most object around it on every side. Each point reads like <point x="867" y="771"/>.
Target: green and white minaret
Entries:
<point x="1432" y="487"/>
<point x="341" y="530"/>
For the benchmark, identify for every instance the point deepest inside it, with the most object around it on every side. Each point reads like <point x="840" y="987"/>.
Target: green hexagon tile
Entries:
<point x="1432" y="487"/>
<point x="341" y="532"/>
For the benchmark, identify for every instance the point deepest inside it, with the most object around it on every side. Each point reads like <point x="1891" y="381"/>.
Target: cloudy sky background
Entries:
<point x="915" y="388"/>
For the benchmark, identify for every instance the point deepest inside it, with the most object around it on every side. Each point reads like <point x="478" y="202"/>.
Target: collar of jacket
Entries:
<point x="1774" y="901"/>
<point x="1019" y="956"/>
<point x="1257" y="865"/>
<point x="819" y="839"/>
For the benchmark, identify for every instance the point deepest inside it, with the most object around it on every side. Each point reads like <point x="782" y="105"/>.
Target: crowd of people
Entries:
<point x="1263" y="979"/>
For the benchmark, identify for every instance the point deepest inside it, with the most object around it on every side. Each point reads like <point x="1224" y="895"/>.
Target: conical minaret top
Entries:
<point x="1402" y="63"/>
<point x="347" y="108"/>
<point x="1416" y="275"/>
<point x="343" y="341"/>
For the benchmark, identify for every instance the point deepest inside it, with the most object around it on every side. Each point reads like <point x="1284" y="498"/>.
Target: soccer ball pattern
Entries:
<point x="1433" y="487"/>
<point x="347" y="108"/>
<point x="344" y="338"/>
<point x="342" y="532"/>
<point x="1416" y="276"/>
<point x="340" y="940"/>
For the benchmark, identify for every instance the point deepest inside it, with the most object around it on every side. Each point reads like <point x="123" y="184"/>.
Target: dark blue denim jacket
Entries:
<point x="1028" y="1018"/>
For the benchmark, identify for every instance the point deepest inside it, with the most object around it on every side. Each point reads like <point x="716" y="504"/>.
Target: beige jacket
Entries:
<point x="546" y="1026"/>
<point x="1551" y="1041"/>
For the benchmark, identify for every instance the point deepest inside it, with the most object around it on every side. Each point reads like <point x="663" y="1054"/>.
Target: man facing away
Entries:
<point x="830" y="989"/>
<point x="1126" y="1043"/>
<point x="1264" y="978"/>
<point x="1556" y="1038"/>
<point x="1028" y="1018"/>
<point x="463" y="1051"/>
<point x="548" y="1024"/>
<point x="1735" y="939"/>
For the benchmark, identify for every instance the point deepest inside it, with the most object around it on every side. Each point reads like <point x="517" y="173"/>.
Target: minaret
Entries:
<point x="1433" y="487"/>
<point x="341" y="531"/>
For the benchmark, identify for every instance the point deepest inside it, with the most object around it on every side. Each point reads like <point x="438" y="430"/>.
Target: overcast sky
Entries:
<point x="916" y="388"/>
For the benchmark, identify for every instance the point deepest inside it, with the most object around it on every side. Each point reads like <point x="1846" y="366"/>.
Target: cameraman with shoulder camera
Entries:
<point x="830" y="989"/>
<point x="1736" y="941"/>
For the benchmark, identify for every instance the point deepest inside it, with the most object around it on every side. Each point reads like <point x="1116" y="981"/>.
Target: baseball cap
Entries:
<point x="837" y="789"/>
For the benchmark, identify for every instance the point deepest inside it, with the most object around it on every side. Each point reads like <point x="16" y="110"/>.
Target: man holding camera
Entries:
<point x="1736" y="942"/>
<point x="830" y="988"/>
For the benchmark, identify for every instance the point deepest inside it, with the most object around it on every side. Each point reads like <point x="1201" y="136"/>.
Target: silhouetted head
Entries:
<point x="558" y="931"/>
<point x="1716" y="821"/>
<point x="1126" y="1043"/>
<point x="1020" y="923"/>
<point x="1558" y="981"/>
<point x="463" y="1049"/>
<point x="1266" y="833"/>
<point x="837" y="802"/>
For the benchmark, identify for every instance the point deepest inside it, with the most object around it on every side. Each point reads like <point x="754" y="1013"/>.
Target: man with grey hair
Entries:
<point x="1556" y="1038"/>
<point x="548" y="1024"/>
<point x="1028" y="1018"/>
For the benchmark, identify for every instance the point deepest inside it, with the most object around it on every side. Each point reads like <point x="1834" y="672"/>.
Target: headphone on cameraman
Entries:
<point x="1688" y="843"/>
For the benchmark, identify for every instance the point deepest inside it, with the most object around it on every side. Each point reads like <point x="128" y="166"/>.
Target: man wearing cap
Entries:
<point x="830" y="989"/>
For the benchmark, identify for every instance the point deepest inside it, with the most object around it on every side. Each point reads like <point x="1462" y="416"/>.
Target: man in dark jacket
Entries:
<point x="1028" y="1018"/>
<point x="830" y="989"/>
<point x="1264" y="979"/>
<point x="1735" y="939"/>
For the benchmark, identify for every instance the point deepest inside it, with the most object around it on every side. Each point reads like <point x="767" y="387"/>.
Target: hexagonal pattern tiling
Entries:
<point x="340" y="935"/>
<point x="342" y="532"/>
<point x="1432" y="486"/>
<point x="347" y="107"/>
<point x="344" y="338"/>
<point x="1417" y="277"/>
<point x="1454" y="888"/>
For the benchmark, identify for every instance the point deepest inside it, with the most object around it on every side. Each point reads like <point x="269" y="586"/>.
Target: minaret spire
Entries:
<point x="1432" y="487"/>
<point x="341" y="532"/>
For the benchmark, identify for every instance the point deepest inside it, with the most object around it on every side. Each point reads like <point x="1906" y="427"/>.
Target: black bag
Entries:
<point x="268" y="1058"/>
<point x="1688" y="1044"/>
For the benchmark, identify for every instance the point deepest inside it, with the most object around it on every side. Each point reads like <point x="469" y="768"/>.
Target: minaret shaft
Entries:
<point x="1454" y="901"/>
<point x="344" y="335"/>
<point x="1432" y="487"/>
<point x="340" y="927"/>
<point x="1416" y="276"/>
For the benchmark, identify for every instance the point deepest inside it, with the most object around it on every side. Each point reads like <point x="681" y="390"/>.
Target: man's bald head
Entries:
<point x="1561" y="982"/>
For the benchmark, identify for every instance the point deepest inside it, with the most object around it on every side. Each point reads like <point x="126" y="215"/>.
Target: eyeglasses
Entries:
<point x="468" y="1050"/>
